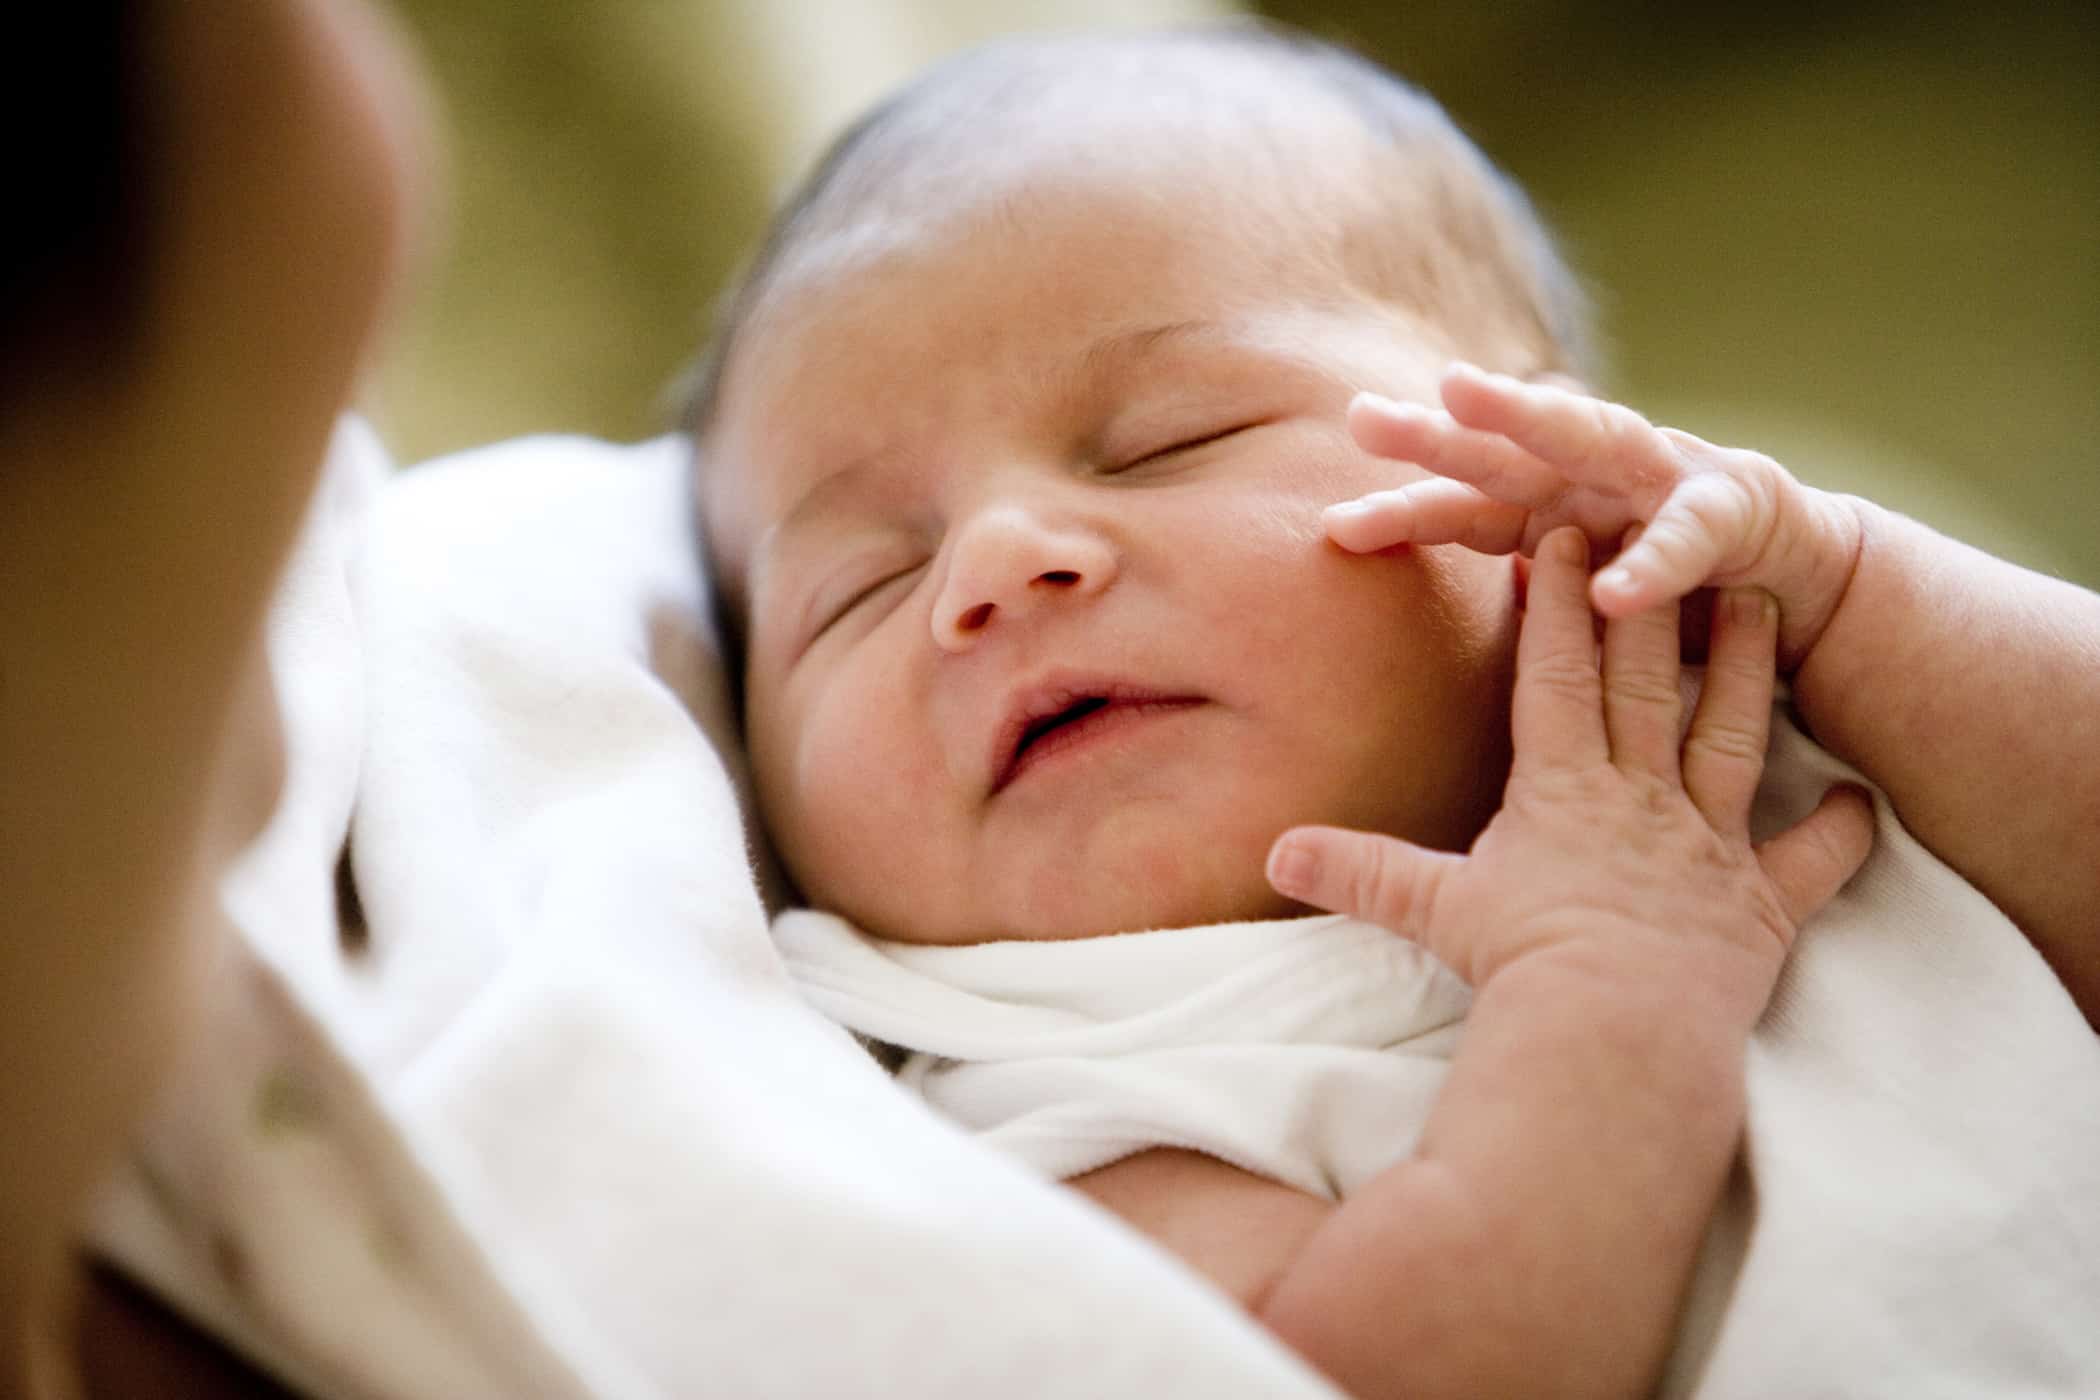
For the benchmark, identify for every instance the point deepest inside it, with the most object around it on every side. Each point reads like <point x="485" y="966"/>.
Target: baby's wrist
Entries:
<point x="1717" y="986"/>
<point x="1679" y="1046"/>
<point x="1832" y="530"/>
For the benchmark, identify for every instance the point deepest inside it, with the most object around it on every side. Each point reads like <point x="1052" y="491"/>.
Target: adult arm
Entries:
<point x="147" y="500"/>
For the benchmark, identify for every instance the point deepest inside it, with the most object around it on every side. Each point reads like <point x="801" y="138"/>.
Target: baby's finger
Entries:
<point x="1557" y="715"/>
<point x="1592" y="441"/>
<point x="1642" y="701"/>
<point x="1390" y="882"/>
<point x="1426" y="513"/>
<point x="1706" y="520"/>
<point x="1408" y="432"/>
<point x="1810" y="862"/>
<point x="1724" y="751"/>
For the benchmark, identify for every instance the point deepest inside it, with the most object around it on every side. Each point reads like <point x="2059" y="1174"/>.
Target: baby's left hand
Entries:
<point x="1516" y="459"/>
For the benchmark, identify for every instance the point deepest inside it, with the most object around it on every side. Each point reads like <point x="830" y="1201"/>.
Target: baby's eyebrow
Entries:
<point x="825" y="496"/>
<point x="1117" y="351"/>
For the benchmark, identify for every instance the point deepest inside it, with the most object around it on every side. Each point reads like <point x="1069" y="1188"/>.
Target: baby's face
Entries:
<point x="1022" y="500"/>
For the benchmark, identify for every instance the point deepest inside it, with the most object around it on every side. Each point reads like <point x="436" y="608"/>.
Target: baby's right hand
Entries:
<point x="1516" y="459"/>
<point x="1618" y="848"/>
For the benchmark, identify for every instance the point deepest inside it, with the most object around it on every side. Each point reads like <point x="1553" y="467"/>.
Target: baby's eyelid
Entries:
<point x="1189" y="443"/>
<point x="838" y="612"/>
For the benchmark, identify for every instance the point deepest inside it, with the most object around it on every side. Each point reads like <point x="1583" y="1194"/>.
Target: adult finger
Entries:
<point x="1429" y="438"/>
<point x="1810" y="862"/>
<point x="1426" y="513"/>
<point x="1642" y="701"/>
<point x="1557" y="715"/>
<point x="1388" y="881"/>
<point x="1588" y="440"/>
<point x="1724" y="750"/>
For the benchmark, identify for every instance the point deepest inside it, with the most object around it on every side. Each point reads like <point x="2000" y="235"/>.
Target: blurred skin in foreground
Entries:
<point x="155" y="461"/>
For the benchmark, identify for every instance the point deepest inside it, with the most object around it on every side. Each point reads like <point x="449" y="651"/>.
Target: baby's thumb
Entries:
<point x="1378" y="878"/>
<point x="1811" y="861"/>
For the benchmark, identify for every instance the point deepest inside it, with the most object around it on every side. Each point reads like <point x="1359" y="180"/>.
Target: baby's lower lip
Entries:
<point x="1109" y="722"/>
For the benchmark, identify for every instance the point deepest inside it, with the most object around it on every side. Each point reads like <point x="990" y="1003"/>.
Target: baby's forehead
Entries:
<point x="1024" y="287"/>
<point x="1066" y="202"/>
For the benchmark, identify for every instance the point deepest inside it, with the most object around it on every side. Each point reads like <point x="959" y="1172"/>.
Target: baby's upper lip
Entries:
<point x="1030" y="705"/>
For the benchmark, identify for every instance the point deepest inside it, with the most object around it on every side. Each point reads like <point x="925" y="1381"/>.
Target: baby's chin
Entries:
<point x="1166" y="914"/>
<point x="1097" y="907"/>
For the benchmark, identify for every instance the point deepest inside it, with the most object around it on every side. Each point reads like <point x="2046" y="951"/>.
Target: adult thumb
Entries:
<point x="1379" y="878"/>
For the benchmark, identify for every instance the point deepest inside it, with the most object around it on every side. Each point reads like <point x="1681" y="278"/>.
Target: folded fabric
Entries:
<point x="506" y="1092"/>
<point x="1306" y="1050"/>
<point x="1917" y="1211"/>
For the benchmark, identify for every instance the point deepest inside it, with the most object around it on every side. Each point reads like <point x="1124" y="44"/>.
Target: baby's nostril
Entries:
<point x="975" y="618"/>
<point x="1058" y="576"/>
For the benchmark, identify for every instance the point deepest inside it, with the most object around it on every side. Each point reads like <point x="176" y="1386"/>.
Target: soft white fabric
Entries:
<point x="1918" y="1209"/>
<point x="1306" y="1050"/>
<point x="556" y="1123"/>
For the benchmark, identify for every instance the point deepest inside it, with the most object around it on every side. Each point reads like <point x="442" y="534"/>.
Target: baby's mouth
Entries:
<point x="1079" y="710"/>
<point x="1057" y="718"/>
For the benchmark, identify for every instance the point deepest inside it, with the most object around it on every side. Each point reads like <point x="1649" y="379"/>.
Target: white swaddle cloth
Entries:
<point x="1305" y="1050"/>
<point x="1918" y="1209"/>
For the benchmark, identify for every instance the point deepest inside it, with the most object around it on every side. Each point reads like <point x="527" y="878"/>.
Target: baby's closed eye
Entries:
<point x="857" y="589"/>
<point x="1175" y="448"/>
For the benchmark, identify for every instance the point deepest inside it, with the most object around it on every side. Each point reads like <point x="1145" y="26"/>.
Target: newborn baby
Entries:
<point x="1076" y="598"/>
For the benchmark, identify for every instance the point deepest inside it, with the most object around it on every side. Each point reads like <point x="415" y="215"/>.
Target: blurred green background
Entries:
<point x="1864" y="238"/>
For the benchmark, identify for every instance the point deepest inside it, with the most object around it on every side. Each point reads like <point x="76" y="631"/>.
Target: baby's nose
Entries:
<point x="1006" y="564"/>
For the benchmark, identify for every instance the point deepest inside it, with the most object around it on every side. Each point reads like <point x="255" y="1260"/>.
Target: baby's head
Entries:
<point x="1014" y="447"/>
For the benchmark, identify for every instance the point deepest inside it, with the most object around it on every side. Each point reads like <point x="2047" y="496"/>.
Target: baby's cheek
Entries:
<point x="1333" y="468"/>
<point x="1474" y="598"/>
<point x="866" y="785"/>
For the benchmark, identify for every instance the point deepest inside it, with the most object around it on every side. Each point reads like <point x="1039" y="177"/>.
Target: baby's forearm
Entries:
<point x="1968" y="688"/>
<point x="1541" y="1238"/>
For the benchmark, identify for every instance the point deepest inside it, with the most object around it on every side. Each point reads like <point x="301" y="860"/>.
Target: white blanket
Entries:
<point x="535" y="1112"/>
<point x="1918" y="1207"/>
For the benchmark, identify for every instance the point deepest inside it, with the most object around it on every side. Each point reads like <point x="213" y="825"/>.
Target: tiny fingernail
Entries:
<point x="1292" y="866"/>
<point x="1348" y="510"/>
<point x="1569" y="546"/>
<point x="1377" y="403"/>
<point x="1616" y="579"/>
